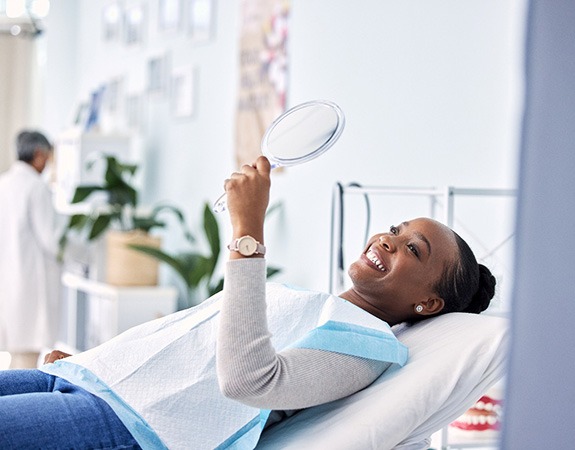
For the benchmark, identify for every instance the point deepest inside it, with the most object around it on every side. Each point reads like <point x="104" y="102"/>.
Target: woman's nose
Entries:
<point x="387" y="242"/>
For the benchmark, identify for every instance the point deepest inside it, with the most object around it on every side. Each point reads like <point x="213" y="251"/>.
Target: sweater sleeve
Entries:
<point x="250" y="370"/>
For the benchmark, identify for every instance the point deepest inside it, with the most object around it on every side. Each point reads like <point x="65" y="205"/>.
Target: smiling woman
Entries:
<point x="276" y="348"/>
<point x="417" y="269"/>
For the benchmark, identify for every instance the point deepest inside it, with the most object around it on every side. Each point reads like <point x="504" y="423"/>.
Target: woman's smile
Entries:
<point x="374" y="258"/>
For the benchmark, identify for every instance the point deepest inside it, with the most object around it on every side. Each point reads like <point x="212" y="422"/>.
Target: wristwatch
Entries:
<point x="247" y="246"/>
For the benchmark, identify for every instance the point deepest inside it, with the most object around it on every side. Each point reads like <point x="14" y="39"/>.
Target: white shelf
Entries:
<point x="113" y="309"/>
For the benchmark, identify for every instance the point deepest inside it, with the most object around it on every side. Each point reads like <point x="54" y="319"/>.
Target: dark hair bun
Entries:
<point x="485" y="291"/>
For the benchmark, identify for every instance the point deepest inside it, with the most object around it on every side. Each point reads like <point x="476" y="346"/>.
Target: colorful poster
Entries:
<point x="263" y="74"/>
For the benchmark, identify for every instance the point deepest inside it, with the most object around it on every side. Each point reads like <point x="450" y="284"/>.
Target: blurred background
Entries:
<point x="431" y="91"/>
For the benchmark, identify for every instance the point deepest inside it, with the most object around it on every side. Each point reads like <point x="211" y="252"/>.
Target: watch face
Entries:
<point x="247" y="246"/>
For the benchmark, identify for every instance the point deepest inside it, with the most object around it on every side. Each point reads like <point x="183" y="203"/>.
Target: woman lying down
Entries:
<point x="215" y="375"/>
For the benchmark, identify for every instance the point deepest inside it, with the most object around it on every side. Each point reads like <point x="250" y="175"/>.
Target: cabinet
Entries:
<point x="96" y="312"/>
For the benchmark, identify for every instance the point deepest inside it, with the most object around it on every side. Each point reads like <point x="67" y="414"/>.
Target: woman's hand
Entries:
<point x="248" y="193"/>
<point x="55" y="355"/>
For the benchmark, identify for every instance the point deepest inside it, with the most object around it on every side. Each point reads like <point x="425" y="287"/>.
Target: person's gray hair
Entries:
<point x="27" y="142"/>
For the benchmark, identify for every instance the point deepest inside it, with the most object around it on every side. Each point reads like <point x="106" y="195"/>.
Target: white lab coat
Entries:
<point x="29" y="271"/>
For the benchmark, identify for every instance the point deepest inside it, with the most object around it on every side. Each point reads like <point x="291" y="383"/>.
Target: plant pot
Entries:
<point x="128" y="267"/>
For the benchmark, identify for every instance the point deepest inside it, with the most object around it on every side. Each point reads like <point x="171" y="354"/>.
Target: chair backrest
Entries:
<point x="453" y="360"/>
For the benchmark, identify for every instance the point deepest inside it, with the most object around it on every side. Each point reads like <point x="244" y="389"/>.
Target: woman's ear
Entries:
<point x="432" y="305"/>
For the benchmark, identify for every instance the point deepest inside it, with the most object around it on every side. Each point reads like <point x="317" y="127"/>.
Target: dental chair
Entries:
<point x="454" y="359"/>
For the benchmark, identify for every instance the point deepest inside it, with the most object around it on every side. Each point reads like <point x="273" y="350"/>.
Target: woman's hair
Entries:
<point x="465" y="285"/>
<point x="27" y="142"/>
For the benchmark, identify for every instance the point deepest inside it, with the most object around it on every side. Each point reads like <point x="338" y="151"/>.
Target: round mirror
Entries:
<point x="300" y="134"/>
<point x="303" y="132"/>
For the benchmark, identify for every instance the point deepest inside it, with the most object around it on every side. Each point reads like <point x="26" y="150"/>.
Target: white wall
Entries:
<point x="431" y="91"/>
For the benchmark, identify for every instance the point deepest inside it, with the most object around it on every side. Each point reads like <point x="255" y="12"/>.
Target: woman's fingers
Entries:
<point x="263" y="165"/>
<point x="55" y="355"/>
<point x="260" y="168"/>
<point x="248" y="196"/>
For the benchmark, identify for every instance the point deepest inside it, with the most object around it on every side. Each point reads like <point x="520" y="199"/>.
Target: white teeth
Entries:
<point x="374" y="259"/>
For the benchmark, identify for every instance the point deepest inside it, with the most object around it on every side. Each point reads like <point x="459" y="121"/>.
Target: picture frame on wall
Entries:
<point x="158" y="74"/>
<point x="134" y="111"/>
<point x="111" y="22"/>
<point x="183" y="91"/>
<point x="169" y="15"/>
<point x="81" y="115"/>
<point x="112" y="94"/>
<point x="134" y="18"/>
<point x="200" y="15"/>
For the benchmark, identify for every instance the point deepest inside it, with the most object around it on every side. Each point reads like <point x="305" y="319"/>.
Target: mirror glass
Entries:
<point x="300" y="134"/>
<point x="303" y="132"/>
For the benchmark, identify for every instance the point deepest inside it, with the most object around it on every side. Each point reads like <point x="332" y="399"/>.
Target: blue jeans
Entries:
<point x="40" y="411"/>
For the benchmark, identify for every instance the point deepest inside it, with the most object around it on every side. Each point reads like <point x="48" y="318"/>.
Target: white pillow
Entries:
<point x="454" y="359"/>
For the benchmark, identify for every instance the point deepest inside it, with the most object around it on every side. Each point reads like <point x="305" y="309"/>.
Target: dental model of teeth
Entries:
<point x="481" y="422"/>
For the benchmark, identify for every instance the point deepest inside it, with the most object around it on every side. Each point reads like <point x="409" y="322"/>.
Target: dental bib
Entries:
<point x="160" y="377"/>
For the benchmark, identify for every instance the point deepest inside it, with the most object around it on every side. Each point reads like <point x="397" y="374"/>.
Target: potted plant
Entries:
<point x="196" y="269"/>
<point x="123" y="223"/>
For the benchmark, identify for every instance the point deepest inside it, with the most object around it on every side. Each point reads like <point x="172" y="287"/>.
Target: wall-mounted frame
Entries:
<point x="111" y="22"/>
<point x="134" y="111"/>
<point x="134" y="24"/>
<point x="183" y="91"/>
<point x="158" y="74"/>
<point x="200" y="15"/>
<point x="81" y="116"/>
<point x="112" y="95"/>
<point x="169" y="15"/>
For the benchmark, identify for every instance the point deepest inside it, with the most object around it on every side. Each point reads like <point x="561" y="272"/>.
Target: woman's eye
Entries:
<point x="393" y="229"/>
<point x="413" y="249"/>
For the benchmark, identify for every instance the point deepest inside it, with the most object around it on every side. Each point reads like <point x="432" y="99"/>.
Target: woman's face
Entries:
<point x="398" y="269"/>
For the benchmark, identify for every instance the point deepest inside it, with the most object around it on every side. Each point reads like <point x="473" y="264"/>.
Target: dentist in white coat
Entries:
<point x="29" y="270"/>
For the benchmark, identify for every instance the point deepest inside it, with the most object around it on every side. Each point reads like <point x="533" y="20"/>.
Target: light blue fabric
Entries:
<point x="248" y="436"/>
<point x="356" y="341"/>
<point x="127" y="370"/>
<point x="332" y="336"/>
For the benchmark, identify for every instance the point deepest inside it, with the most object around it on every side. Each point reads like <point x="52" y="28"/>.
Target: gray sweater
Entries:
<point x="250" y="370"/>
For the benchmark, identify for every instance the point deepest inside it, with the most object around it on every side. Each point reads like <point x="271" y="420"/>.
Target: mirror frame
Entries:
<point x="339" y="126"/>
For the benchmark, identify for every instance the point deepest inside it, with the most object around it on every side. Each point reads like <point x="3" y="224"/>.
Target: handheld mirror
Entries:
<point x="300" y="134"/>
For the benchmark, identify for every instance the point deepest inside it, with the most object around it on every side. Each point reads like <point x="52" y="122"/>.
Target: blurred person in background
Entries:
<point x="29" y="269"/>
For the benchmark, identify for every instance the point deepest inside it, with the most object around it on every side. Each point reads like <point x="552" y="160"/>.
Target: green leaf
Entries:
<point x="219" y="286"/>
<point x="82" y="192"/>
<point x="115" y="172"/>
<point x="78" y="221"/>
<point x="146" y="223"/>
<point x="123" y="194"/>
<point x="129" y="168"/>
<point x="99" y="225"/>
<point x="212" y="231"/>
<point x="179" y="215"/>
<point x="174" y="263"/>
<point x="62" y="246"/>
<point x="271" y="271"/>
<point x="197" y="267"/>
